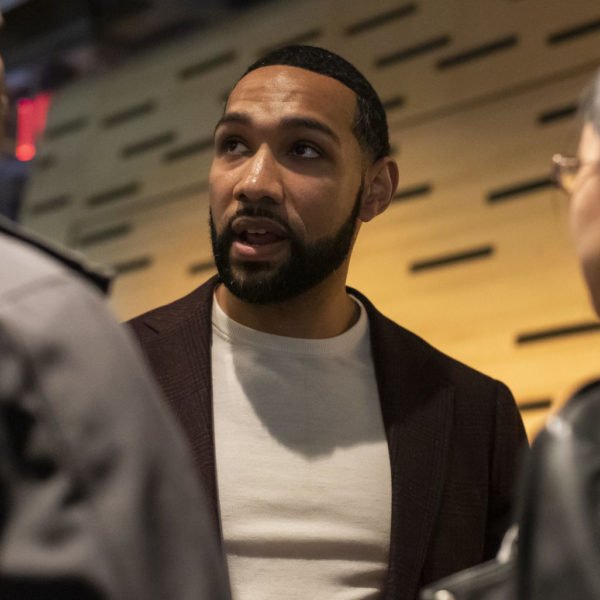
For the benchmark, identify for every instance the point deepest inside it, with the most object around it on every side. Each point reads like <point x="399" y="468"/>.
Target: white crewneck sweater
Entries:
<point x="303" y="468"/>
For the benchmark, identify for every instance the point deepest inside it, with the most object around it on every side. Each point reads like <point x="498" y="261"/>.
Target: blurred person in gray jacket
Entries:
<point x="97" y="494"/>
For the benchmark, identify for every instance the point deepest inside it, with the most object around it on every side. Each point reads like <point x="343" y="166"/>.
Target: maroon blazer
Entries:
<point x="455" y="436"/>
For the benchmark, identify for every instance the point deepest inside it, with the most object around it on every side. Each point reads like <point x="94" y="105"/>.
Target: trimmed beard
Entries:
<point x="307" y="264"/>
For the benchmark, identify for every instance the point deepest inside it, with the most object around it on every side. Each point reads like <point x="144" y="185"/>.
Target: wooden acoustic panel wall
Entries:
<point x="473" y="254"/>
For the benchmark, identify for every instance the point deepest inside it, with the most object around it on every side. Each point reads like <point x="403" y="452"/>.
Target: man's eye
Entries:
<point x="233" y="146"/>
<point x="305" y="151"/>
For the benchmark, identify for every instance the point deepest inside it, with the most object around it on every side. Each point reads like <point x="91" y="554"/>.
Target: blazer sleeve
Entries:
<point x="508" y="450"/>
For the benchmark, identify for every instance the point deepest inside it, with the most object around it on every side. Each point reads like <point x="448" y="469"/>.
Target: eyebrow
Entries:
<point x="290" y="122"/>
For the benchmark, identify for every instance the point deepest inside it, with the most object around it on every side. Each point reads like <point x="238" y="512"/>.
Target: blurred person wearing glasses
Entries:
<point x="97" y="496"/>
<point x="553" y="551"/>
<point x="579" y="177"/>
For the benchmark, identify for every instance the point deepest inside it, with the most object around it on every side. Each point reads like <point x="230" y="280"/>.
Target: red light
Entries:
<point x="25" y="152"/>
<point x="31" y="122"/>
<point x="42" y="106"/>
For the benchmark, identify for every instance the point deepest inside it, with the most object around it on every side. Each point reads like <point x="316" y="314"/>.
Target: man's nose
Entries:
<point x="260" y="178"/>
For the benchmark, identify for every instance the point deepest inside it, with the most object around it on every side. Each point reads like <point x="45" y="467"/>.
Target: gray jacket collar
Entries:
<point x="100" y="276"/>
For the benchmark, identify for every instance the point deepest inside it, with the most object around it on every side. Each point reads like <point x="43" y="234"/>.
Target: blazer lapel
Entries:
<point x="417" y="410"/>
<point x="181" y="356"/>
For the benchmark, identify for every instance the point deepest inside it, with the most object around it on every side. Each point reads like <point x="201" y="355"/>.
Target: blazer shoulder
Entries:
<point x="175" y="314"/>
<point x="454" y="370"/>
<point x="389" y="337"/>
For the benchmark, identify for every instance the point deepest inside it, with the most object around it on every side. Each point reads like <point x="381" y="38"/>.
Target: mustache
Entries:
<point x="260" y="212"/>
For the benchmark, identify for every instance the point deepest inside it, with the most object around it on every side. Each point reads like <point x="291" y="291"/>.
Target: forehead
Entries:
<point x="279" y="91"/>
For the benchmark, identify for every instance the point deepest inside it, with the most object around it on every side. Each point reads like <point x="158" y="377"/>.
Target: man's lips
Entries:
<point x="258" y="231"/>
<point x="257" y="238"/>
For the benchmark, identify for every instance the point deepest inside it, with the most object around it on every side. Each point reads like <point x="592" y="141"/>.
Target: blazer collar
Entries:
<point x="180" y="352"/>
<point x="417" y="406"/>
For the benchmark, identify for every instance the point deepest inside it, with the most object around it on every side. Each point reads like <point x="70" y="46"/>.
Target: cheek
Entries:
<point x="219" y="194"/>
<point x="318" y="206"/>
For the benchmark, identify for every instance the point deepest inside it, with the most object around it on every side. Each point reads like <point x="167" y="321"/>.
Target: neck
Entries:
<point x="321" y="312"/>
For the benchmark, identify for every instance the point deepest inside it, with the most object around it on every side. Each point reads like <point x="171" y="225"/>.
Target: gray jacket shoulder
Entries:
<point x="89" y="454"/>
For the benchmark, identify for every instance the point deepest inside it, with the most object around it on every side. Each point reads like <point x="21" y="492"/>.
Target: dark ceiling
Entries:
<point x="46" y="43"/>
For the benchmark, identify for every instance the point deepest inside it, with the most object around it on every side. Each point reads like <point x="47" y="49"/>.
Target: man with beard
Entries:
<point x="345" y="457"/>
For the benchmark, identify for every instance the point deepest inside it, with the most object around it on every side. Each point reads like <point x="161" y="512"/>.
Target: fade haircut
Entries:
<point x="370" y="124"/>
<point x="590" y="103"/>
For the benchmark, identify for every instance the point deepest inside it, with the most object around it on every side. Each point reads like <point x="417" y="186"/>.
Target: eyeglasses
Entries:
<point x="565" y="170"/>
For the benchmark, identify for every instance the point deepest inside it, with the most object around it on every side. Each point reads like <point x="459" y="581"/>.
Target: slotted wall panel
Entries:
<point x="473" y="254"/>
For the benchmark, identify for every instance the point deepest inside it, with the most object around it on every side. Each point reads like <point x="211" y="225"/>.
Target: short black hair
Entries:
<point x="370" y="122"/>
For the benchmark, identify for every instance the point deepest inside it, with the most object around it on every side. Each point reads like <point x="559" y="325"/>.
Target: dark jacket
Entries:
<point x="454" y="436"/>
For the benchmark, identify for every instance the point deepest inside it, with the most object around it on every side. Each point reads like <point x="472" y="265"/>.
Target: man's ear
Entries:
<point x="381" y="183"/>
